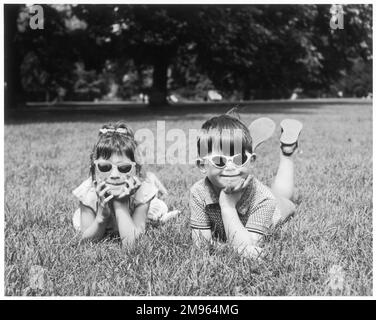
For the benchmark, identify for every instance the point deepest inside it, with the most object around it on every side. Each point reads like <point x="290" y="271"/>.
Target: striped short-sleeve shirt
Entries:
<point x="255" y="208"/>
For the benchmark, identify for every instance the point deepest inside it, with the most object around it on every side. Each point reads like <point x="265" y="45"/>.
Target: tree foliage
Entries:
<point x="251" y="51"/>
<point x="269" y="50"/>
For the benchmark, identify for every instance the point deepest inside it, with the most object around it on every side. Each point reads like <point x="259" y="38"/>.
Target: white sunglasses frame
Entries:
<point x="228" y="158"/>
<point x="133" y="164"/>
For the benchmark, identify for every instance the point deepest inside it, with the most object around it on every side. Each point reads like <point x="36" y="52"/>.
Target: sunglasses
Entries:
<point x="220" y="161"/>
<point x="106" y="166"/>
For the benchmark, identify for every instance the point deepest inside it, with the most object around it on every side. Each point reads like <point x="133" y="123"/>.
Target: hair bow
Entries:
<point x="119" y="130"/>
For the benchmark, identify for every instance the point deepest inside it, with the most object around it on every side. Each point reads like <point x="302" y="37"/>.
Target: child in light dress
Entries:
<point x="119" y="197"/>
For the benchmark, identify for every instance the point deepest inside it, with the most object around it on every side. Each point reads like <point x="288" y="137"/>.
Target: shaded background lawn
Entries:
<point x="332" y="230"/>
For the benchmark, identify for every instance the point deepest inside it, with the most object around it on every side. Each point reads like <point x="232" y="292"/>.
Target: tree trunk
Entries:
<point x="13" y="94"/>
<point x="158" y="93"/>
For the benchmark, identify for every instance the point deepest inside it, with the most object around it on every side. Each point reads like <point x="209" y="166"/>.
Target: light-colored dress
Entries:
<point x="147" y="192"/>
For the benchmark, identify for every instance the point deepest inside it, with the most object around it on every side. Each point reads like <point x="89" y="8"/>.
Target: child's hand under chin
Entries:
<point x="127" y="189"/>
<point x="230" y="195"/>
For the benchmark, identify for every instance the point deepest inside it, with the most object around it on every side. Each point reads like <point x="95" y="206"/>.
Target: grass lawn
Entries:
<point x="326" y="249"/>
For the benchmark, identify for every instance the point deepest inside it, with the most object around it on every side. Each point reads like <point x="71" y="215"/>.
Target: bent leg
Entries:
<point x="283" y="185"/>
<point x="283" y="190"/>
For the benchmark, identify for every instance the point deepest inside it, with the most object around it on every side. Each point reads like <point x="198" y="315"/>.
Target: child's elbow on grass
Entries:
<point x="251" y="251"/>
<point x="131" y="239"/>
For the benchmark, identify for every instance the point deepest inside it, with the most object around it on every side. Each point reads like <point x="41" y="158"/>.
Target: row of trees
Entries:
<point x="247" y="51"/>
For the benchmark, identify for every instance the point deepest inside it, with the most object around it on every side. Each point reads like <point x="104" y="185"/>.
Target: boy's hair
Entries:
<point x="226" y="133"/>
<point x="114" y="138"/>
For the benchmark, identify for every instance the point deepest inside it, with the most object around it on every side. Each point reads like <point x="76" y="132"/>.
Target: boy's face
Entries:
<point x="230" y="175"/>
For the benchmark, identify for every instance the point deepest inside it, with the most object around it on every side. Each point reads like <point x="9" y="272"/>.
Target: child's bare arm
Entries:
<point x="236" y="233"/>
<point x="93" y="226"/>
<point x="243" y="241"/>
<point x="130" y="227"/>
<point x="139" y="217"/>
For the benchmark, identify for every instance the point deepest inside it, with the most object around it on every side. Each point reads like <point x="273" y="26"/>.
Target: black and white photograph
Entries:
<point x="203" y="150"/>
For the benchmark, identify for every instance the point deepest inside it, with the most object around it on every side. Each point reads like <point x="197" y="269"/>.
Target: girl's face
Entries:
<point x="232" y="173"/>
<point x="115" y="171"/>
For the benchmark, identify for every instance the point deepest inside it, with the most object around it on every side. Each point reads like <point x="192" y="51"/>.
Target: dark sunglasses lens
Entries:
<point x="240" y="159"/>
<point x="104" y="167"/>
<point x="219" y="161"/>
<point x="125" y="168"/>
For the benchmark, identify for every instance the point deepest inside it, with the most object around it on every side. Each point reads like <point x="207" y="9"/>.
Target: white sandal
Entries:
<point x="290" y="131"/>
<point x="261" y="130"/>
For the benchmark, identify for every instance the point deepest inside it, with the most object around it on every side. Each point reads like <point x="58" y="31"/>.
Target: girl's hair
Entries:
<point x="114" y="138"/>
<point x="224" y="131"/>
